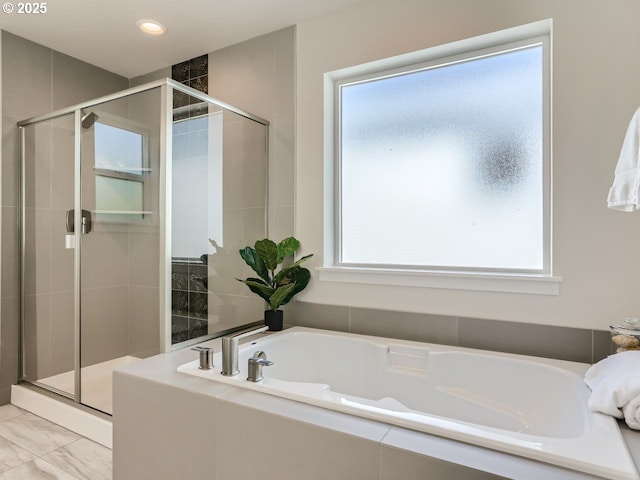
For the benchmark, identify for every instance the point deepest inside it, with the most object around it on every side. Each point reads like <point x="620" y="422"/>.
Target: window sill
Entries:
<point x="507" y="283"/>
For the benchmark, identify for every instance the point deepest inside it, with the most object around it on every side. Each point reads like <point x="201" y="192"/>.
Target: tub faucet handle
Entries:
<point x="205" y="357"/>
<point x="256" y="363"/>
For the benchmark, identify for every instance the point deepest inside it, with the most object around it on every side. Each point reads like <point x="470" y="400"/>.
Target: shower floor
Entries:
<point x="96" y="383"/>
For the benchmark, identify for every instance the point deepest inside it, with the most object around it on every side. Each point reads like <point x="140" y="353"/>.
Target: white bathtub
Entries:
<point x="532" y="407"/>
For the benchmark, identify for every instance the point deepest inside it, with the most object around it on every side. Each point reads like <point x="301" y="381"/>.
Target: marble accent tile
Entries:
<point x="11" y="455"/>
<point x="197" y="305"/>
<point x="83" y="459"/>
<point x="198" y="276"/>
<point x="199" y="66"/>
<point x="180" y="99"/>
<point x="36" y="469"/>
<point x="198" y="328"/>
<point x="179" y="303"/>
<point x="201" y="84"/>
<point x="35" y="434"/>
<point x="180" y="71"/>
<point x="179" y="276"/>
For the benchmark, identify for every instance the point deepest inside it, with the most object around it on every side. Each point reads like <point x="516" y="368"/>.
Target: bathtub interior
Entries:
<point x="455" y="385"/>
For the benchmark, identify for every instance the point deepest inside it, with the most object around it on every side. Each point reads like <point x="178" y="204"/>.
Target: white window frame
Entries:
<point x="520" y="281"/>
<point x="140" y="175"/>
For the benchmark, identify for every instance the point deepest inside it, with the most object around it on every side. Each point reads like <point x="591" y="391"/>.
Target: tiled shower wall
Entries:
<point x="35" y="80"/>
<point x="189" y="298"/>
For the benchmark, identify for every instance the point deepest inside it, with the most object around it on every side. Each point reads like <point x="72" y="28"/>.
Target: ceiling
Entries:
<point x="104" y="32"/>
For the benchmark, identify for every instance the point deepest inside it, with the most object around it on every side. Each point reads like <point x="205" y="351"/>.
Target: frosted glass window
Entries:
<point x="443" y="167"/>
<point x="118" y="149"/>
<point x="118" y="195"/>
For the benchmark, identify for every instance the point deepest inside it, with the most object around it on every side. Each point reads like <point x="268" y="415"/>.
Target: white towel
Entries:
<point x="615" y="387"/>
<point x="624" y="194"/>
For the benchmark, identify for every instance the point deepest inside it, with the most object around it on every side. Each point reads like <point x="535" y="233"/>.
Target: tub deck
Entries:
<point x="532" y="407"/>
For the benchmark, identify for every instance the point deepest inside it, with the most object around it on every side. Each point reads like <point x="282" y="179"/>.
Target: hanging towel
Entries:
<point x="615" y="387"/>
<point x="624" y="194"/>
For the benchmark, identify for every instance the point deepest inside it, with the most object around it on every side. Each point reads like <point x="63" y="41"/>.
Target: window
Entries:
<point x="120" y="169"/>
<point x="442" y="158"/>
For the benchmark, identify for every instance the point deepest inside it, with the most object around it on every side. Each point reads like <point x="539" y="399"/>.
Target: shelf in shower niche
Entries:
<point x="122" y="169"/>
<point x="122" y="212"/>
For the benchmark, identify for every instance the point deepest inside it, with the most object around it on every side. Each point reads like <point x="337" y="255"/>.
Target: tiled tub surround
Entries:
<point x="511" y="403"/>
<point x="562" y="343"/>
<point x="245" y="434"/>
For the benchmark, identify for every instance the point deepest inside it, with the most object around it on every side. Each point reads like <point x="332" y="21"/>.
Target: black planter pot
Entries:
<point x="273" y="320"/>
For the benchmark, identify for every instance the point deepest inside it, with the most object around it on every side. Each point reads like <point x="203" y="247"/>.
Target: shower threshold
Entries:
<point x="96" y="383"/>
<point x="97" y="388"/>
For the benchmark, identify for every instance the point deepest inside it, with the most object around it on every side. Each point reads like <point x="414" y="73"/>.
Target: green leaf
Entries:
<point x="258" y="287"/>
<point x="251" y="257"/>
<point x="280" y="294"/>
<point x="301" y="279"/>
<point x="268" y="251"/>
<point x="287" y="248"/>
<point x="282" y="274"/>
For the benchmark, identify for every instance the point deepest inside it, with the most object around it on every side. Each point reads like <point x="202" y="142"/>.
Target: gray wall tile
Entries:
<point x="397" y="464"/>
<point x="539" y="340"/>
<point x="10" y="333"/>
<point x="10" y="252"/>
<point x="144" y="327"/>
<point x="319" y="453"/>
<point x="408" y="326"/>
<point x="62" y="332"/>
<point x="75" y="81"/>
<point x="602" y="345"/>
<point x="104" y="324"/>
<point x="26" y="80"/>
<point x="314" y="315"/>
<point x="10" y="163"/>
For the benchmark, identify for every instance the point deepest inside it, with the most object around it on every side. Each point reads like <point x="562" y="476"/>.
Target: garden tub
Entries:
<point x="527" y="406"/>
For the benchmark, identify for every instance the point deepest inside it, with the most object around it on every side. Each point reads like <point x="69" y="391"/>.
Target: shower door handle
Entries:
<point x="86" y="221"/>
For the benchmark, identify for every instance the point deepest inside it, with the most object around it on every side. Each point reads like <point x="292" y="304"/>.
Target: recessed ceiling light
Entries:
<point x="151" y="27"/>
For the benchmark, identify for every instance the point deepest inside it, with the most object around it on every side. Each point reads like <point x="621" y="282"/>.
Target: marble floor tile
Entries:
<point x="83" y="459"/>
<point x="11" y="455"/>
<point x="35" y="434"/>
<point x="36" y="469"/>
<point x="7" y="412"/>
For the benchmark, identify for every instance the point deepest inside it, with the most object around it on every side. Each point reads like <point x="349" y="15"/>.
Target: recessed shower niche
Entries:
<point x="115" y="193"/>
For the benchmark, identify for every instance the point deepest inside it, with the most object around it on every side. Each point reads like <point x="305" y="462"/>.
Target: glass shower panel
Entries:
<point x="120" y="257"/>
<point x="48" y="279"/>
<point x="219" y="178"/>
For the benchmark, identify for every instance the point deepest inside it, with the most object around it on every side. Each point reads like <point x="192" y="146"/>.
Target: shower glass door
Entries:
<point x="119" y="256"/>
<point x="48" y="329"/>
<point x="116" y="243"/>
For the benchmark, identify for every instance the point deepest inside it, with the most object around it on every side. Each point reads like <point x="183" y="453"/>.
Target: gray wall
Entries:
<point x="258" y="75"/>
<point x="595" y="92"/>
<point x="35" y="80"/>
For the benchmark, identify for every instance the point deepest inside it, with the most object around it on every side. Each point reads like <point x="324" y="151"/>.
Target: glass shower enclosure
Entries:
<point x="131" y="207"/>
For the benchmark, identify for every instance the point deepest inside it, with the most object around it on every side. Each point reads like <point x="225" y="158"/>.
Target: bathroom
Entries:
<point x="278" y="76"/>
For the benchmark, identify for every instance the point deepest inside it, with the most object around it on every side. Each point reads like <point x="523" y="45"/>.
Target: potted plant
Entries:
<point x="276" y="288"/>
